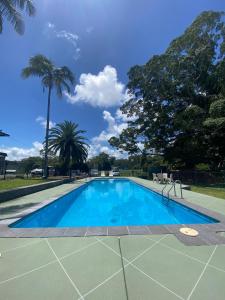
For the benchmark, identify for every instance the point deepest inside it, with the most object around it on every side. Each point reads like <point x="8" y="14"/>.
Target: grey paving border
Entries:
<point x="207" y="232"/>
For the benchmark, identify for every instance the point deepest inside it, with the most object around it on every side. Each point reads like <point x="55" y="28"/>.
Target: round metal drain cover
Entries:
<point x="189" y="231"/>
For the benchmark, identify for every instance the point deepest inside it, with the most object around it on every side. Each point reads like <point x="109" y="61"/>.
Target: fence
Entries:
<point x="187" y="177"/>
<point x="135" y="173"/>
<point x="200" y="177"/>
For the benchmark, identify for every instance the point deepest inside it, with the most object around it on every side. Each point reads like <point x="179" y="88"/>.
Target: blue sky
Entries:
<point x="99" y="40"/>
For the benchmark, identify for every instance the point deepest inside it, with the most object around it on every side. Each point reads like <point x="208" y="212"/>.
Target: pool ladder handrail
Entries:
<point x="173" y="186"/>
<point x="181" y="191"/>
<point x="162" y="192"/>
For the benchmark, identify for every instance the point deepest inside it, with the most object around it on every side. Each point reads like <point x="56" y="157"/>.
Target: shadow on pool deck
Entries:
<point x="14" y="209"/>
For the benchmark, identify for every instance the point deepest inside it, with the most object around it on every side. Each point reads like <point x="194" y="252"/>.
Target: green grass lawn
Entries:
<point x="213" y="190"/>
<point x="9" y="184"/>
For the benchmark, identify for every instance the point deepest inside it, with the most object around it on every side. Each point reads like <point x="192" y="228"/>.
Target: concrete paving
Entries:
<point x="150" y="267"/>
<point x="139" y="267"/>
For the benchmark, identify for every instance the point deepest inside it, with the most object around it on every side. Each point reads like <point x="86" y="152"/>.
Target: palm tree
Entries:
<point x="51" y="77"/>
<point x="11" y="10"/>
<point x="69" y="142"/>
<point x="3" y="133"/>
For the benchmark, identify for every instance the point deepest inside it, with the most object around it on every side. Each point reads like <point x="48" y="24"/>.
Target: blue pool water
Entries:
<point x="112" y="202"/>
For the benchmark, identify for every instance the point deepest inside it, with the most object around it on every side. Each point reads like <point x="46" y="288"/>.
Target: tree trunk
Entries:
<point x="47" y="134"/>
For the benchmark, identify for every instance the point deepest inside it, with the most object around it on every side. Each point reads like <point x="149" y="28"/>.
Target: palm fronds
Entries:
<point x="40" y="66"/>
<point x="11" y="10"/>
<point x="67" y="141"/>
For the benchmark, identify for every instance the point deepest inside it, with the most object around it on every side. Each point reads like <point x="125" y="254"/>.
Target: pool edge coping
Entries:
<point x="208" y="233"/>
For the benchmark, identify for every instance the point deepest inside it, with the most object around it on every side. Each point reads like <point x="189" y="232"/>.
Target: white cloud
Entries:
<point x="18" y="153"/>
<point x="124" y="117"/>
<point x="113" y="129"/>
<point x="72" y="38"/>
<point x="42" y="121"/>
<point x="102" y="90"/>
<point x="94" y="150"/>
<point x="115" y="126"/>
<point x="76" y="55"/>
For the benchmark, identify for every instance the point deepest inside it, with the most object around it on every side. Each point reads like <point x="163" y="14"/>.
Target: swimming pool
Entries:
<point x="112" y="202"/>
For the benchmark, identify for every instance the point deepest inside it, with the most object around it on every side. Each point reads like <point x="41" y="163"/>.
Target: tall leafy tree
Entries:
<point x="215" y="132"/>
<point x="11" y="11"/>
<point x="172" y="93"/>
<point x="69" y="142"/>
<point x="51" y="77"/>
<point x="102" y="161"/>
<point x="27" y="164"/>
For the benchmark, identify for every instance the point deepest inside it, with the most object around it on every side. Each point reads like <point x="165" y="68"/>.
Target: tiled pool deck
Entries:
<point x="137" y="267"/>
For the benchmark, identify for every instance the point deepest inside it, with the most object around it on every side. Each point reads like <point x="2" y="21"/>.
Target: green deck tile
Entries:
<point x="110" y="241"/>
<point x="93" y="265"/>
<point x="9" y="244"/>
<point x="140" y="287"/>
<point x="218" y="207"/>
<point x="218" y="259"/>
<point x="131" y="246"/>
<point x="66" y="245"/>
<point x="9" y="208"/>
<point x="157" y="237"/>
<point x="49" y="283"/>
<point x="22" y="260"/>
<point x="211" y="286"/>
<point x="113" y="289"/>
<point x="201" y="253"/>
<point x="175" y="271"/>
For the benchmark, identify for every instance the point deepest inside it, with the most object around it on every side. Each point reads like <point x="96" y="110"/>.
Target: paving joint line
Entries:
<point x="202" y="273"/>
<point x="28" y="272"/>
<point x="139" y="255"/>
<point x="64" y="270"/>
<point x="124" y="276"/>
<point x="118" y="271"/>
<point x="22" y="246"/>
<point x="101" y="283"/>
<point x="157" y="282"/>
<point x="77" y="251"/>
<point x="134" y="266"/>
<point x="189" y="256"/>
<point x="47" y="264"/>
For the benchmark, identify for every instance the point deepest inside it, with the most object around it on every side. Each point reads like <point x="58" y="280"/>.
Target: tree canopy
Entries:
<point x="11" y="10"/>
<point x="27" y="164"/>
<point x="69" y="142"/>
<point x="178" y="98"/>
<point x="101" y="162"/>
<point x="51" y="77"/>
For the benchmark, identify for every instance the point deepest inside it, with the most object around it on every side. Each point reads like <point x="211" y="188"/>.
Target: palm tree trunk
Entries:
<point x="47" y="134"/>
